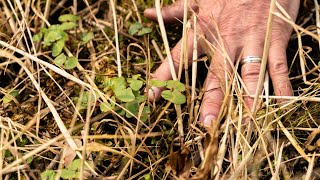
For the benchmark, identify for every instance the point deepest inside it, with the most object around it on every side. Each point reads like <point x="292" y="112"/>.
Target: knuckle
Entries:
<point x="229" y="30"/>
<point x="175" y="54"/>
<point x="278" y="68"/>
<point x="249" y="102"/>
<point x="205" y="23"/>
<point x="213" y="99"/>
<point x="248" y="4"/>
<point x="210" y="107"/>
<point x="280" y="35"/>
<point x="213" y="81"/>
<point x="250" y="71"/>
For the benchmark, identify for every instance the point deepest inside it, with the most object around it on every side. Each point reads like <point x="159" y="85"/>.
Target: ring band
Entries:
<point x="250" y="59"/>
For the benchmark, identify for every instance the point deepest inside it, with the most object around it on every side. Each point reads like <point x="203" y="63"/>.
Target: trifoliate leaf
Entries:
<point x="59" y="60"/>
<point x="176" y="85"/>
<point x="48" y="174"/>
<point x="67" y="26"/>
<point x="86" y="37"/>
<point x="174" y="96"/>
<point x="125" y="95"/>
<point x="179" y="98"/>
<point x="144" y="31"/>
<point x="167" y="95"/>
<point x="135" y="84"/>
<point x="57" y="47"/>
<point x="68" y="17"/>
<point x="71" y="63"/>
<point x="134" y="28"/>
<point x="9" y="98"/>
<point x="157" y="83"/>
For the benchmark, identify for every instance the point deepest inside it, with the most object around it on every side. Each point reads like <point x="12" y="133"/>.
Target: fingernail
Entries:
<point x="152" y="93"/>
<point x="148" y="11"/>
<point x="245" y="120"/>
<point x="208" y="120"/>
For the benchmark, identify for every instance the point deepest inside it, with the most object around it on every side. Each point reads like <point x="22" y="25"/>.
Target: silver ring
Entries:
<point x="250" y="59"/>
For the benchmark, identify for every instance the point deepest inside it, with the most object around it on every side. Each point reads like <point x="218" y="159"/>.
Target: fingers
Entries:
<point x="170" y="13"/>
<point x="277" y="59"/>
<point x="278" y="69"/>
<point x="163" y="72"/>
<point x="250" y="71"/>
<point x="215" y="87"/>
<point x="212" y="100"/>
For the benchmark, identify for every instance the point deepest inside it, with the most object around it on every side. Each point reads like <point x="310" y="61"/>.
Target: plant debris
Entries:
<point x="67" y="111"/>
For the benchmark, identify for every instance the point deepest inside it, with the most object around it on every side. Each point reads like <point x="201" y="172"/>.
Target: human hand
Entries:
<point x="241" y="25"/>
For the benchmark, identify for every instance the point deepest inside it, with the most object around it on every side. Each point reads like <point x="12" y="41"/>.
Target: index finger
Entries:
<point x="163" y="72"/>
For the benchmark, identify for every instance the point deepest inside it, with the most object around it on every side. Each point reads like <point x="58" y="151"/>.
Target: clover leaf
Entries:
<point x="59" y="60"/>
<point x="157" y="83"/>
<point x="57" y="47"/>
<point x="145" y="113"/>
<point x="68" y="17"/>
<point x="49" y="174"/>
<point x="37" y="37"/>
<point x="71" y="62"/>
<point x="118" y="83"/>
<point x="67" y="26"/>
<point x="125" y="95"/>
<point x="144" y="31"/>
<point x="68" y="174"/>
<point x="137" y="28"/>
<point x="135" y="84"/>
<point x="134" y="28"/>
<point x="86" y="37"/>
<point x="176" y="85"/>
<point x="174" y="96"/>
<point x="107" y="106"/>
<point x="132" y="107"/>
<point x="75" y="165"/>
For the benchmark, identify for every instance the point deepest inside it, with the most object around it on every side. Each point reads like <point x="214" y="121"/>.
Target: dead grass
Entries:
<point x="44" y="128"/>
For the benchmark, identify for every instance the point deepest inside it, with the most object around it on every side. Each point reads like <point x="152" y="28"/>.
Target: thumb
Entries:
<point x="170" y="13"/>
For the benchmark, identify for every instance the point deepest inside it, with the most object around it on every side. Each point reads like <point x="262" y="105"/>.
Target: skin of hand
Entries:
<point x="237" y="27"/>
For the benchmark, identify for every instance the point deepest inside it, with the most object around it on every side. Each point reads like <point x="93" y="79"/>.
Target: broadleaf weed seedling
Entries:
<point x="138" y="29"/>
<point x="174" y="92"/>
<point x="127" y="93"/>
<point x="56" y="37"/>
<point x="71" y="172"/>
